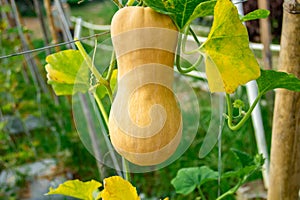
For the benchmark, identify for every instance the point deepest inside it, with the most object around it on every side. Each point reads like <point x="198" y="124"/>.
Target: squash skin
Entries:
<point x="146" y="151"/>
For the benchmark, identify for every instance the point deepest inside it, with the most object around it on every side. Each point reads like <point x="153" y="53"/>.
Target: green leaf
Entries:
<point x="67" y="73"/>
<point x="271" y="79"/>
<point x="181" y="11"/>
<point x="249" y="167"/>
<point x="187" y="179"/>
<point x="203" y="9"/>
<point x="240" y="173"/>
<point x="113" y="80"/>
<point x="256" y="14"/>
<point x="101" y="90"/>
<point x="244" y="158"/>
<point x="229" y="60"/>
<point x="77" y="189"/>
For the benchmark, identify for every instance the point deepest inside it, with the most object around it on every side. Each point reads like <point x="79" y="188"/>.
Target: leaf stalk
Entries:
<point x="245" y="117"/>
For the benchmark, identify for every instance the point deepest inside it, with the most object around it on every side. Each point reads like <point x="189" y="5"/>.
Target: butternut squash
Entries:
<point x="145" y="123"/>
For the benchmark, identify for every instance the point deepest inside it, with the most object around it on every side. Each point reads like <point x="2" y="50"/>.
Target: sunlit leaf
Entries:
<point x="66" y="73"/>
<point x="271" y="79"/>
<point x="256" y="14"/>
<point x="227" y="53"/>
<point x="77" y="189"/>
<point x="113" y="80"/>
<point x="116" y="188"/>
<point x="182" y="11"/>
<point x="187" y="179"/>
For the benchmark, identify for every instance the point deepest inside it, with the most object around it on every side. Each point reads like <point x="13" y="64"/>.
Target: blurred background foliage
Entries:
<point x="35" y="125"/>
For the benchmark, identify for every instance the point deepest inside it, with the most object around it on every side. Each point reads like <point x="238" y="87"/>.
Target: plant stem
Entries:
<point x="178" y="65"/>
<point x="101" y="107"/>
<point x="118" y="3"/>
<point x="92" y="67"/>
<point x="231" y="191"/>
<point x="201" y="193"/>
<point x="194" y="36"/>
<point x="125" y="169"/>
<point x="90" y="63"/>
<point x="185" y="35"/>
<point x="130" y="2"/>
<point x="111" y="66"/>
<point x="246" y="116"/>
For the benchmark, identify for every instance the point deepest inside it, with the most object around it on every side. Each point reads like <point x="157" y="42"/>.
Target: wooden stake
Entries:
<point x="265" y="35"/>
<point x="285" y="150"/>
<point x="47" y="4"/>
<point x="39" y="13"/>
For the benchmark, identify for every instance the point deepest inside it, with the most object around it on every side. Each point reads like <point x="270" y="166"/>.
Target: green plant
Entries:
<point x="188" y="179"/>
<point x="226" y="53"/>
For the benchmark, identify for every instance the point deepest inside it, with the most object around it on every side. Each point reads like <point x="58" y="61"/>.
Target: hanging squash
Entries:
<point x="145" y="123"/>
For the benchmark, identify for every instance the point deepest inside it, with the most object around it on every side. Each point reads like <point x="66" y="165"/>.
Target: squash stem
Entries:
<point x="246" y="116"/>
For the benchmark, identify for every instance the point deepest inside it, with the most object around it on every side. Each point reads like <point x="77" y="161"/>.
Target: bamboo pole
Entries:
<point x="285" y="149"/>
<point x="39" y="13"/>
<point x="265" y="35"/>
<point x="47" y="4"/>
<point x="28" y="58"/>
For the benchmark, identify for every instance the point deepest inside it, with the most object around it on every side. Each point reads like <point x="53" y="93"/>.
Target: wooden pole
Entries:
<point x="285" y="149"/>
<point x="39" y="13"/>
<point x="53" y="31"/>
<point x="265" y="35"/>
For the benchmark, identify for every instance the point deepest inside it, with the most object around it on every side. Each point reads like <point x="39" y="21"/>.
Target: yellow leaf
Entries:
<point x="229" y="60"/>
<point x="67" y="72"/>
<point x="77" y="189"/>
<point x="116" y="188"/>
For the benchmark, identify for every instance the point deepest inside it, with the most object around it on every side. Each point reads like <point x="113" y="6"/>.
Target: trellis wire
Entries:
<point x="52" y="46"/>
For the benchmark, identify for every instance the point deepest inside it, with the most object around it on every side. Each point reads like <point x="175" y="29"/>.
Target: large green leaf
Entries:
<point x="229" y="60"/>
<point x="77" y="189"/>
<point x="182" y="11"/>
<point x="271" y="79"/>
<point x="67" y="73"/>
<point x="187" y="179"/>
